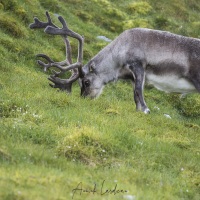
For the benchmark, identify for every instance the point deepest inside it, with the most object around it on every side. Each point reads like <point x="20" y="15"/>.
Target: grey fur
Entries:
<point x="168" y="61"/>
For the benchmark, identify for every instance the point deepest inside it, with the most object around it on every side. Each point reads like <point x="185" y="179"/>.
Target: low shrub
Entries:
<point x="142" y="7"/>
<point x="11" y="26"/>
<point x="8" y="5"/>
<point x="51" y="5"/>
<point x="85" y="144"/>
<point x="188" y="106"/>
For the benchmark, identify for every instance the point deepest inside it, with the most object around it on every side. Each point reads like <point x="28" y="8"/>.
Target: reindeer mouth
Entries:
<point x="92" y="93"/>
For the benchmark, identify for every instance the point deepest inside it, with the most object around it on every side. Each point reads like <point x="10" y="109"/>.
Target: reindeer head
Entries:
<point x="90" y="82"/>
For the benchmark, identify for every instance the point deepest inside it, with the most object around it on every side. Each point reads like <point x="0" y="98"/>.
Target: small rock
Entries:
<point x="101" y="37"/>
<point x="156" y="108"/>
<point x="167" y="116"/>
<point x="129" y="197"/>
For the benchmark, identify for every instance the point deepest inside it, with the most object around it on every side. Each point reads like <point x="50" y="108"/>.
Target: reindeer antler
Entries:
<point x="39" y="24"/>
<point x="65" y="31"/>
<point x="66" y="65"/>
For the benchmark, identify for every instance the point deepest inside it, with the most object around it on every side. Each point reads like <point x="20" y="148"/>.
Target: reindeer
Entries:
<point x="168" y="61"/>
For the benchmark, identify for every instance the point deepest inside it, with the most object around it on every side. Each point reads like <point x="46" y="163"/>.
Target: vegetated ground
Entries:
<point x="52" y="143"/>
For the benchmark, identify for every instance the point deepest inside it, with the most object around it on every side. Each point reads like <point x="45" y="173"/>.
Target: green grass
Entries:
<point x="50" y="141"/>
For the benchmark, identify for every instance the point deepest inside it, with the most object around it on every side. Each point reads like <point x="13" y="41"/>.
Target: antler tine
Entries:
<point x="51" y="63"/>
<point x="57" y="80"/>
<point x="74" y="35"/>
<point x="45" y="57"/>
<point x="39" y="24"/>
<point x="66" y="68"/>
<point x="45" y="66"/>
<point x="68" y="50"/>
<point x="63" y="84"/>
<point x="63" y="31"/>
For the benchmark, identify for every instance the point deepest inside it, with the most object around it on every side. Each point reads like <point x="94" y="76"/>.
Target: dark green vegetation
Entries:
<point x="50" y="141"/>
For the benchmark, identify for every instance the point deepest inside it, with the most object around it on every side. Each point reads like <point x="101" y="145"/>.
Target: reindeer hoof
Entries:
<point x="146" y="111"/>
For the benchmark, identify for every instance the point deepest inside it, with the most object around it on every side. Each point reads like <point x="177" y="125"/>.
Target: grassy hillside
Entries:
<point x="50" y="141"/>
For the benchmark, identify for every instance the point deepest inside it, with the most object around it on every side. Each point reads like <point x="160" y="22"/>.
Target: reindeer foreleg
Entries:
<point x="137" y="69"/>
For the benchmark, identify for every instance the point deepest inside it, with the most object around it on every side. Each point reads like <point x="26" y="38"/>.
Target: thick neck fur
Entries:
<point x="105" y="64"/>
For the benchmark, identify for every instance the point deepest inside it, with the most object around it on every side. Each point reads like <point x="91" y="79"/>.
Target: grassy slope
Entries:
<point x="50" y="141"/>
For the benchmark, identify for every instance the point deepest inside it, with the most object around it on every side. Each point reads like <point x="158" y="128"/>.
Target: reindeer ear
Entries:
<point x="92" y="67"/>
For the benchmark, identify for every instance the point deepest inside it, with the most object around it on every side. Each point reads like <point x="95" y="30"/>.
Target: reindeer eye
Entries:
<point x="87" y="83"/>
